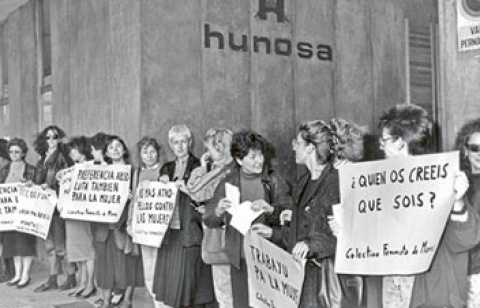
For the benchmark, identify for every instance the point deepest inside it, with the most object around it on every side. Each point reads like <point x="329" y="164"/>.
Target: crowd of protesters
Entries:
<point x="201" y="262"/>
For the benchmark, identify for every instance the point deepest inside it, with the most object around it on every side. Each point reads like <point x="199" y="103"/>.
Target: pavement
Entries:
<point x="11" y="297"/>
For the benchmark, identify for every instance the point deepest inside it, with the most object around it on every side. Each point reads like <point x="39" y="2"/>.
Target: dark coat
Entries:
<point x="310" y="225"/>
<point x="190" y="219"/>
<point x="445" y="284"/>
<point x="277" y="193"/>
<point x="28" y="174"/>
<point x="46" y="171"/>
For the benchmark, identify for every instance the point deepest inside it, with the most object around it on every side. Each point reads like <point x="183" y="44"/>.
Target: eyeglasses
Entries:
<point x="15" y="152"/>
<point x="52" y="137"/>
<point x="384" y="140"/>
<point x="472" y="147"/>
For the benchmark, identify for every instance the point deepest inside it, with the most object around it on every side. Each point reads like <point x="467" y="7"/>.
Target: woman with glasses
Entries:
<point x="406" y="131"/>
<point x="262" y="187"/>
<point x="308" y="235"/>
<point x="468" y="143"/>
<point x="17" y="245"/>
<point x="48" y="145"/>
<point x="178" y="280"/>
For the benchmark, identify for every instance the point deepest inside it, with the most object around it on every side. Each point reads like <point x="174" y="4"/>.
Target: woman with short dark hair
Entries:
<point x="406" y="131"/>
<point x="20" y="246"/>
<point x="79" y="237"/>
<point x="148" y="152"/>
<point x="262" y="187"/>
<point x="116" y="270"/>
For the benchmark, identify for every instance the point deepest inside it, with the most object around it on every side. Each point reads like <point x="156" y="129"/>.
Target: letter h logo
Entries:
<point x="272" y="6"/>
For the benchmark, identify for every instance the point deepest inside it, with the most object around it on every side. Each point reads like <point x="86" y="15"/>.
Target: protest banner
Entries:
<point x="8" y="206"/>
<point x="98" y="193"/>
<point x="153" y="208"/>
<point x="393" y="213"/>
<point x="35" y="211"/>
<point x="275" y="279"/>
<point x="64" y="178"/>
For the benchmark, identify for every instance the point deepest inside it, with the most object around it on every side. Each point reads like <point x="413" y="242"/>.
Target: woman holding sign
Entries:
<point x="150" y="161"/>
<point x="20" y="246"/>
<point x="115" y="269"/>
<point x="406" y="130"/>
<point x="181" y="278"/>
<point x="260" y="189"/>
<point x="79" y="238"/>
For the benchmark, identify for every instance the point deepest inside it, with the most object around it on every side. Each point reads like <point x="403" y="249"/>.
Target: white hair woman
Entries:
<point x="181" y="279"/>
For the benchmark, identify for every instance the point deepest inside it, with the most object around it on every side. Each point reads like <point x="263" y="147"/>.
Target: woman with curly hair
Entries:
<point x="16" y="245"/>
<point x="48" y="145"/>
<point x="348" y="141"/>
<point x="468" y="143"/>
<point x="308" y="235"/>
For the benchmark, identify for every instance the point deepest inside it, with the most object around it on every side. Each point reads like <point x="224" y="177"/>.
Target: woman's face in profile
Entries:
<point x="390" y="145"/>
<point x="76" y="156"/>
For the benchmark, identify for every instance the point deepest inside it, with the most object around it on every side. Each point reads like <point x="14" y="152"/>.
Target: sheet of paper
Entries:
<point x="232" y="193"/>
<point x="243" y="216"/>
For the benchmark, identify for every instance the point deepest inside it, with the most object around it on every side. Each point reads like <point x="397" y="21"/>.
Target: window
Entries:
<point x="421" y="70"/>
<point x="45" y="107"/>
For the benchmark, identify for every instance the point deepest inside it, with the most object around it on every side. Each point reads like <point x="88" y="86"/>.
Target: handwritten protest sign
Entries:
<point x="275" y="279"/>
<point x="8" y="206"/>
<point x="394" y="213"/>
<point x="153" y="208"/>
<point x="35" y="211"/>
<point x="98" y="193"/>
<point x="64" y="178"/>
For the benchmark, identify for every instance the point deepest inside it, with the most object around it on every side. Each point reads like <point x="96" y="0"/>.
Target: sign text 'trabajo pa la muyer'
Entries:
<point x="280" y="46"/>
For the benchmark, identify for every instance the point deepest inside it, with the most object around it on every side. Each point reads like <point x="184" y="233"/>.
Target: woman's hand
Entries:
<point x="201" y="209"/>
<point x="285" y="215"/>
<point x="223" y="205"/>
<point x="164" y="179"/>
<point x="261" y="204"/>
<point x="28" y="184"/>
<point x="181" y="186"/>
<point x="262" y="230"/>
<point x="300" y="251"/>
<point x="460" y="185"/>
<point x="335" y="225"/>
<point x="204" y="159"/>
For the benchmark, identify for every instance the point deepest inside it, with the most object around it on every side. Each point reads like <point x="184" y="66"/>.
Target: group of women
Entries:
<point x="201" y="262"/>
